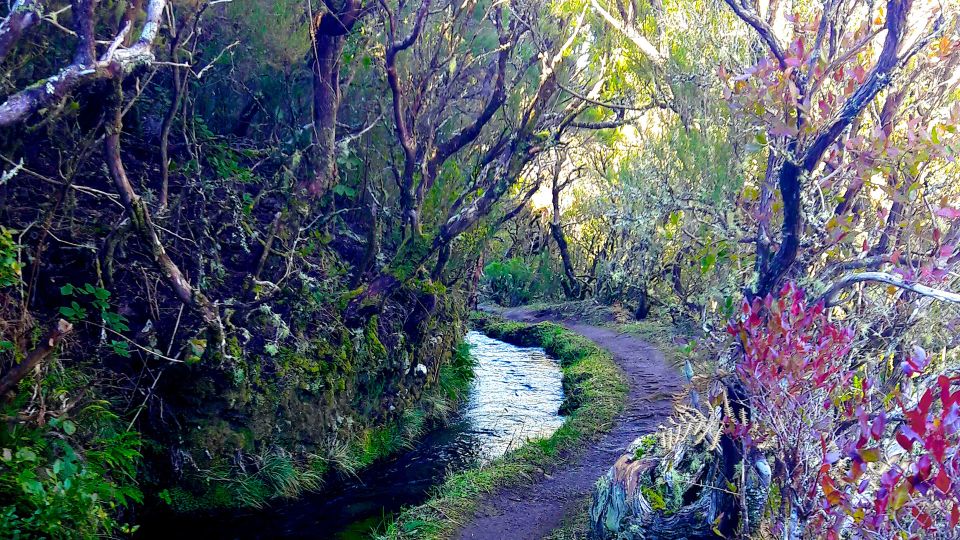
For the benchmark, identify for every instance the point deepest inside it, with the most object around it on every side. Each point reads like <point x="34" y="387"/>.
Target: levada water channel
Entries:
<point x="515" y="396"/>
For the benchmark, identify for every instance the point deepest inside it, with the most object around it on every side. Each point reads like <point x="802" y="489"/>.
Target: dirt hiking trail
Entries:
<point x="533" y="511"/>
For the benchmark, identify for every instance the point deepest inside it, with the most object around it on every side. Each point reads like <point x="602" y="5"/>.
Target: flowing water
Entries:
<point x="515" y="396"/>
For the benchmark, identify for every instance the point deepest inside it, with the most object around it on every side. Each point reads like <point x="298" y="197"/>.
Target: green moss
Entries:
<point x="218" y="438"/>
<point x="377" y="443"/>
<point x="233" y="347"/>
<point x="654" y="498"/>
<point x="408" y="257"/>
<point x="647" y="443"/>
<point x="320" y="374"/>
<point x="374" y="346"/>
<point x="348" y="296"/>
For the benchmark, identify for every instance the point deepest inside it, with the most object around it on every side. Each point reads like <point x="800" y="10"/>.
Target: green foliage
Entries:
<point x="269" y="475"/>
<point x="510" y="283"/>
<point x="98" y="298"/>
<point x="276" y="475"/>
<point x="456" y="375"/>
<point x="9" y="255"/>
<point x="68" y="478"/>
<point x="654" y="497"/>
<point x="647" y="443"/>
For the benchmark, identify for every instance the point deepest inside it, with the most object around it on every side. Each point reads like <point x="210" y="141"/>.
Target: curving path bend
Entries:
<point x="533" y="511"/>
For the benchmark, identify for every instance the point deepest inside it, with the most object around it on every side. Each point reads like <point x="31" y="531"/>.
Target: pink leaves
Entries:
<point x="877" y="429"/>
<point x="948" y="212"/>
<point x="796" y="366"/>
<point x="794" y="61"/>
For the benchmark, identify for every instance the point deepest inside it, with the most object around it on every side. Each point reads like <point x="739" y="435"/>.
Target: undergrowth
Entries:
<point x="67" y="464"/>
<point x="276" y="473"/>
<point x="589" y="374"/>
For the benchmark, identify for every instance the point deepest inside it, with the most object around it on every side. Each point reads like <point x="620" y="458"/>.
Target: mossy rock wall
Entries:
<point x="317" y="400"/>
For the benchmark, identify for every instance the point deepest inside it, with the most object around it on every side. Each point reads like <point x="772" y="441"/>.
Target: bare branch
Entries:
<point x="140" y="216"/>
<point x="115" y="64"/>
<point x="829" y="297"/>
<point x="631" y="33"/>
<point x="23" y="15"/>
<point x="762" y="28"/>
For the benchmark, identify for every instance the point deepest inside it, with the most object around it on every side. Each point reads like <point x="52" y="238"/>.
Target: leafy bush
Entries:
<point x="509" y="282"/>
<point x="69" y="477"/>
<point x="861" y="451"/>
<point x="9" y="264"/>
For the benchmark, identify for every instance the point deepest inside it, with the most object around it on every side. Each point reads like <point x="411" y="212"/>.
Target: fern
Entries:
<point x="690" y="425"/>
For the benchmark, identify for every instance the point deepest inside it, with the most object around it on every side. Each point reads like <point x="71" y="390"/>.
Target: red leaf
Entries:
<point x="955" y="515"/>
<point x="906" y="443"/>
<point x="924" y="406"/>
<point x="832" y="495"/>
<point x="937" y="446"/>
<point x="945" y="396"/>
<point x="942" y="481"/>
<point x="925" y="520"/>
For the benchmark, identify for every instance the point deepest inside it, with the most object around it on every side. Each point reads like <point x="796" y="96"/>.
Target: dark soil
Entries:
<point x="535" y="510"/>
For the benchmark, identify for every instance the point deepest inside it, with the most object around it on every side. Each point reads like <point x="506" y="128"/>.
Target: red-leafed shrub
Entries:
<point x="857" y="452"/>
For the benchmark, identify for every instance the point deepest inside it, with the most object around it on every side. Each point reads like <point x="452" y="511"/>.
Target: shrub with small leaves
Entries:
<point x="856" y="455"/>
<point x="9" y="264"/>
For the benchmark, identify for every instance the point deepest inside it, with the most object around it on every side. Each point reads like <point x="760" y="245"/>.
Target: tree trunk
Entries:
<point x="329" y="36"/>
<point x="571" y="286"/>
<point x="326" y="103"/>
<point x="176" y="89"/>
<point x="643" y="304"/>
<point x="247" y="114"/>
<point x="23" y="15"/>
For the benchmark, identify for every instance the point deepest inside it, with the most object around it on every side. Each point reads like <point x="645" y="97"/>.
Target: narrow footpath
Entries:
<point x="533" y="511"/>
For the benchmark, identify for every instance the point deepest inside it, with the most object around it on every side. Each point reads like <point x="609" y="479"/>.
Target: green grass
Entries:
<point x="574" y="525"/>
<point x="598" y="390"/>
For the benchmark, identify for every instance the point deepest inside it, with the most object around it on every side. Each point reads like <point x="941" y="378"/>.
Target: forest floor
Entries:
<point x="535" y="510"/>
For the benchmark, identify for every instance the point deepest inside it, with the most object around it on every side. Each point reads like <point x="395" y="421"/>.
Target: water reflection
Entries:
<point x="515" y="396"/>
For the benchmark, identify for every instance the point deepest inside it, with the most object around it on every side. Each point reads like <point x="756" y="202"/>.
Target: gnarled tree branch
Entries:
<point x="142" y="221"/>
<point x="115" y="63"/>
<point x="829" y="297"/>
<point x="23" y="15"/>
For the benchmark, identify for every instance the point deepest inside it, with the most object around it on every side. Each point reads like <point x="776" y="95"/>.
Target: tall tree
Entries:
<point x="329" y="32"/>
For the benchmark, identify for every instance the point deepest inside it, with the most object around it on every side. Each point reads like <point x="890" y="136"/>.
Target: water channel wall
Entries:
<point x="335" y="394"/>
